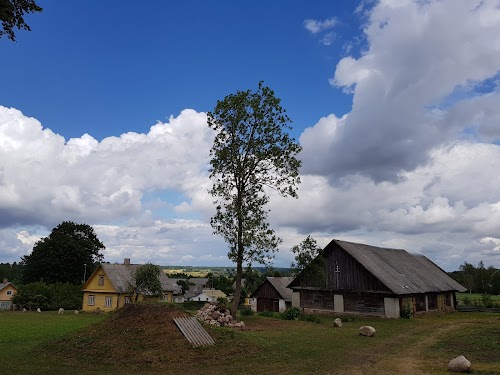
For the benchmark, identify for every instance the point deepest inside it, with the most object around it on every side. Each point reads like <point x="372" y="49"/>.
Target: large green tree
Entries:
<point x="252" y="151"/>
<point x="12" y="15"/>
<point x="63" y="256"/>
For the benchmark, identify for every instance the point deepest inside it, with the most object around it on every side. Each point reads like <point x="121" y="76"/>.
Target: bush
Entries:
<point x="266" y="313"/>
<point x="406" y="312"/>
<point x="292" y="313"/>
<point x="487" y="300"/>
<point x="49" y="296"/>
<point x="246" y="311"/>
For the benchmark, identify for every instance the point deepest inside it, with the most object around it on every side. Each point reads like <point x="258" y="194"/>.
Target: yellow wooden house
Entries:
<point x="7" y="291"/>
<point x="108" y="288"/>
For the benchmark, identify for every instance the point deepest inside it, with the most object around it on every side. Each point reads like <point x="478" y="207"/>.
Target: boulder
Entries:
<point x="38" y="310"/>
<point x="459" y="364"/>
<point x="24" y="310"/>
<point x="367" y="331"/>
<point x="77" y="312"/>
<point x="61" y="311"/>
<point x="337" y="323"/>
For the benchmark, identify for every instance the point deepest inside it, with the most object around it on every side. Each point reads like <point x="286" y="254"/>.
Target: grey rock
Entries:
<point x="367" y="331"/>
<point x="459" y="364"/>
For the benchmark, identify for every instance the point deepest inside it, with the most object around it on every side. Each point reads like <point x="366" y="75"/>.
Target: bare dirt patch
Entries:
<point x="145" y="336"/>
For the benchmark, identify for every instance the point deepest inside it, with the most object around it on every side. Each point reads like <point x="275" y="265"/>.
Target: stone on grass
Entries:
<point x="61" y="311"/>
<point x="367" y="331"/>
<point x="24" y="310"/>
<point x="337" y="323"/>
<point x="77" y="312"/>
<point x="459" y="364"/>
<point x="38" y="310"/>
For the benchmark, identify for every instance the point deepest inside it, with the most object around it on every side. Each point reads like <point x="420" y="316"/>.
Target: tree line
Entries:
<point x="478" y="279"/>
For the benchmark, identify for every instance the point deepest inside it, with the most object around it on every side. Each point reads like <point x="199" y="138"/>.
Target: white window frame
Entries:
<point x="91" y="301"/>
<point x="9" y="292"/>
<point x="101" y="280"/>
<point x="127" y="300"/>
<point x="108" y="301"/>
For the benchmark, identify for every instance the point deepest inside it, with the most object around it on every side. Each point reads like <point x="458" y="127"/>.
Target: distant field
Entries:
<point x="476" y="297"/>
<point x="189" y="273"/>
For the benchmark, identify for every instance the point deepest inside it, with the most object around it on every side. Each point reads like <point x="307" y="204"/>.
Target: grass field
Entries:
<point x="31" y="343"/>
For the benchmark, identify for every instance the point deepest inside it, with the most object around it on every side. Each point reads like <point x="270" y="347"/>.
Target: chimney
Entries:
<point x="5" y="281"/>
<point x="126" y="261"/>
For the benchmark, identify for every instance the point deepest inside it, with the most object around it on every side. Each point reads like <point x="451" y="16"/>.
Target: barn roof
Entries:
<point x="399" y="270"/>
<point x="281" y="284"/>
<point x="121" y="274"/>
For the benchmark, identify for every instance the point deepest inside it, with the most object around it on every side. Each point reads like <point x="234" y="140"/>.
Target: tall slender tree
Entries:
<point x="252" y="151"/>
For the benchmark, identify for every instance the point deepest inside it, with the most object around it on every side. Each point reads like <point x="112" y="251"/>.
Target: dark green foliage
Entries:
<point x="193" y="305"/>
<point x="251" y="152"/>
<point x="146" y="281"/>
<point x="11" y="15"/>
<point x="292" y="313"/>
<point x="49" y="297"/>
<point x="487" y="300"/>
<point x="310" y="318"/>
<point x="246" y="311"/>
<point x="12" y="272"/>
<point x="406" y="312"/>
<point x="221" y="282"/>
<point x="62" y="256"/>
<point x="309" y="265"/>
<point x="267" y="313"/>
<point x="478" y="279"/>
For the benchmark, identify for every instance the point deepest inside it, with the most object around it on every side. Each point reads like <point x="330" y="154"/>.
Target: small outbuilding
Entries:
<point x="272" y="295"/>
<point x="359" y="278"/>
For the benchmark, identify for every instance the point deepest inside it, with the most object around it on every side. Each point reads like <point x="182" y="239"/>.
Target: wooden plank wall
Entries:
<point x="352" y="276"/>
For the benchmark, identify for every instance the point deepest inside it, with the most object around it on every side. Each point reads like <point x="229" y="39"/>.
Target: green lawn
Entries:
<point x="422" y="345"/>
<point x="21" y="332"/>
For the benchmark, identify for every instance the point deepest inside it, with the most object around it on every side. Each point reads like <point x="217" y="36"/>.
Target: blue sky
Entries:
<point x="103" y="121"/>
<point x="118" y="67"/>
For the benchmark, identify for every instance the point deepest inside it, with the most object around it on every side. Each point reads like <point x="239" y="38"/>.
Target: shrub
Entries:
<point x="466" y="301"/>
<point x="49" y="296"/>
<point x="406" y="312"/>
<point x="266" y="313"/>
<point x="292" y="313"/>
<point x="246" y="311"/>
<point x="487" y="300"/>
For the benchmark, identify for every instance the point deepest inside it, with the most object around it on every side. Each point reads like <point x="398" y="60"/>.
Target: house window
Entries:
<point x="337" y="268"/>
<point x="432" y="301"/>
<point x="127" y="299"/>
<point x="420" y="302"/>
<point x="318" y="300"/>
<point x="101" y="280"/>
<point x="9" y="292"/>
<point x="91" y="300"/>
<point x="109" y="301"/>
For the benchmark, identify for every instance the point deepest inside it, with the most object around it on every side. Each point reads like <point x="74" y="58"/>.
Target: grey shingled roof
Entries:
<point x="121" y="274"/>
<point x="401" y="271"/>
<point x="280" y="284"/>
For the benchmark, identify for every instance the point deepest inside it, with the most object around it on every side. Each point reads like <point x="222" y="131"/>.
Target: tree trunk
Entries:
<point x="237" y="289"/>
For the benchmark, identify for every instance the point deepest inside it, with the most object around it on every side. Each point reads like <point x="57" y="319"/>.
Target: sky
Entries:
<point x="103" y="121"/>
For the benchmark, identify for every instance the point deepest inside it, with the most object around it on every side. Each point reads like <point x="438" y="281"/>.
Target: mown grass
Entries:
<point x="420" y="345"/>
<point x="22" y="333"/>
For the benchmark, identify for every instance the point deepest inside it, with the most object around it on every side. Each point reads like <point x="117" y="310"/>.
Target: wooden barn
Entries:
<point x="358" y="278"/>
<point x="272" y="295"/>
